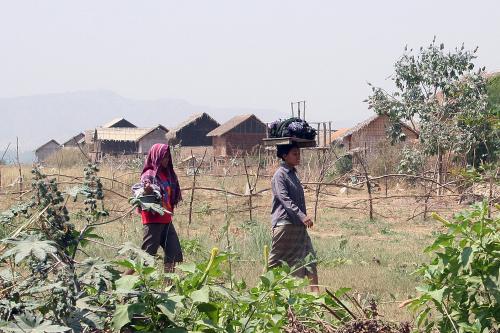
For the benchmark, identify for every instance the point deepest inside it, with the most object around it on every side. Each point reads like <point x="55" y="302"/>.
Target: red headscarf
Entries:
<point x="153" y="164"/>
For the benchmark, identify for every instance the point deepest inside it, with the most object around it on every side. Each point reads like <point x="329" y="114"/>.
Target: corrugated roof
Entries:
<point x="338" y="133"/>
<point x="230" y="124"/>
<point x="191" y="119"/>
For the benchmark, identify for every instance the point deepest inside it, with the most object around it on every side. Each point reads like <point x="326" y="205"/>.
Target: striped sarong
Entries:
<point x="292" y="244"/>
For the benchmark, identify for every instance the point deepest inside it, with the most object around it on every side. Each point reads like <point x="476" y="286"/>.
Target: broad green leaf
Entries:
<point x="125" y="263"/>
<point x="265" y="281"/>
<point x="168" y="309"/>
<point x="437" y="294"/>
<point x="123" y="314"/>
<point x="465" y="256"/>
<point x="187" y="267"/>
<point x="341" y="291"/>
<point x="201" y="296"/>
<point x="137" y="252"/>
<point x="126" y="282"/>
<point x="211" y="310"/>
<point x="32" y="324"/>
<point x="29" y="246"/>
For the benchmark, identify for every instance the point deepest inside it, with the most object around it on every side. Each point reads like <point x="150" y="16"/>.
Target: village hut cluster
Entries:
<point x="239" y="135"/>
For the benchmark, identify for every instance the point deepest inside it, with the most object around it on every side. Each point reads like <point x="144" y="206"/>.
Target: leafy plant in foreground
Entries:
<point x="460" y="291"/>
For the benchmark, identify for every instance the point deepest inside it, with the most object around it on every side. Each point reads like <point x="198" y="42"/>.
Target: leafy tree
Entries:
<point x="444" y="93"/>
<point x="489" y="150"/>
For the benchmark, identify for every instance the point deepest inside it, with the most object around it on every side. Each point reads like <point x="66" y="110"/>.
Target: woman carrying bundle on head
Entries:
<point x="290" y="241"/>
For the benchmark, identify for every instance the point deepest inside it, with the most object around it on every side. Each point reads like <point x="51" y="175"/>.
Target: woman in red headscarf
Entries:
<point x="158" y="173"/>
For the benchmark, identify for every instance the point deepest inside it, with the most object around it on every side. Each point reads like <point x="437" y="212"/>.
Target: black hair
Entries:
<point x="282" y="150"/>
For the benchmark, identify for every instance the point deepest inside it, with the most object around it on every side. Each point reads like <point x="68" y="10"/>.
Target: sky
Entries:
<point x="248" y="54"/>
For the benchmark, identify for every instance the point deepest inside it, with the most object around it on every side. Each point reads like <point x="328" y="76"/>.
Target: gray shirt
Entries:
<point x="288" y="196"/>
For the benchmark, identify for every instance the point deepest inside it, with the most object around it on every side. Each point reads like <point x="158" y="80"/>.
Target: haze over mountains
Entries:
<point x="37" y="119"/>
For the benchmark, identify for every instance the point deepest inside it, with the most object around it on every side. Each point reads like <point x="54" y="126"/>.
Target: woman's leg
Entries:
<point x="151" y="240"/>
<point x="311" y="270"/>
<point x="313" y="280"/>
<point x="172" y="248"/>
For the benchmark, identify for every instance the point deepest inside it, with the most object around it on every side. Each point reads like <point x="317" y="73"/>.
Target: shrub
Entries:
<point x="461" y="283"/>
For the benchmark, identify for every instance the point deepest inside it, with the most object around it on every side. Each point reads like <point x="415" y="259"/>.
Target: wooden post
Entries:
<point x="304" y="110"/>
<point x="318" y="189"/>
<point x="329" y="133"/>
<point x="490" y="197"/>
<point x="324" y="134"/>
<point x="249" y="188"/>
<point x="19" y="167"/>
<point x="385" y="171"/>
<point x="193" y="186"/>
<point x="368" y="185"/>
<point x="440" y="171"/>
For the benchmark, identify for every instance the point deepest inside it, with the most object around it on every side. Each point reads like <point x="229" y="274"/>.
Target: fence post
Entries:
<point x="193" y="186"/>
<point x="368" y="185"/>
<point x="249" y="188"/>
<point x="19" y="167"/>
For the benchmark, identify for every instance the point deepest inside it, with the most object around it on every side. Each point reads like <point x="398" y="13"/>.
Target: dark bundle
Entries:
<point x="292" y="127"/>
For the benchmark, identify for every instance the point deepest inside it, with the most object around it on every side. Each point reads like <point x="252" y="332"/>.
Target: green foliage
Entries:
<point x="412" y="161"/>
<point x="461" y="282"/>
<point x="30" y="245"/>
<point x="191" y="246"/>
<point x="44" y="288"/>
<point x="488" y="150"/>
<point x="33" y="324"/>
<point x="343" y="165"/>
<point x="442" y="91"/>
<point x="147" y="206"/>
<point x="197" y="300"/>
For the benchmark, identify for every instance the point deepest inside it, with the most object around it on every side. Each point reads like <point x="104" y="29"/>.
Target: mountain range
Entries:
<point x="39" y="118"/>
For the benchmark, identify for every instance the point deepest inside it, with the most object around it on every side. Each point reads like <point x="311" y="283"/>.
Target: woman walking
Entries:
<point x="290" y="241"/>
<point x="158" y="177"/>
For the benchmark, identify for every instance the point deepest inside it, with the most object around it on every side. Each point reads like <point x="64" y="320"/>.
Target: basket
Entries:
<point x="149" y="198"/>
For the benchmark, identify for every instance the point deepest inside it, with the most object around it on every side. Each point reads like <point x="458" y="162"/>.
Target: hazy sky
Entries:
<point x="256" y="54"/>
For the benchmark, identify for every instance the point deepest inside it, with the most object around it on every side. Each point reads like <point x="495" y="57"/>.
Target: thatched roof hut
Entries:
<point x="193" y="131"/>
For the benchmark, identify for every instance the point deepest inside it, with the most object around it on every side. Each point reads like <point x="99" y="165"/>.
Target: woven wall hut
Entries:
<point x="156" y="134"/>
<point x="237" y="136"/>
<point x="367" y="135"/>
<point x="47" y="149"/>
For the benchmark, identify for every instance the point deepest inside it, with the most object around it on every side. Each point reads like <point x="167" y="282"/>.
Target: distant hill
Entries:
<point x="37" y="119"/>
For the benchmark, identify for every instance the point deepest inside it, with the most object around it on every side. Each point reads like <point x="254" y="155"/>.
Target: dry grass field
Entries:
<point x="375" y="258"/>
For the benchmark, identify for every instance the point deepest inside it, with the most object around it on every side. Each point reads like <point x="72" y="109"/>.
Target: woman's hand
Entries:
<point x="147" y="187"/>
<point x="308" y="222"/>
